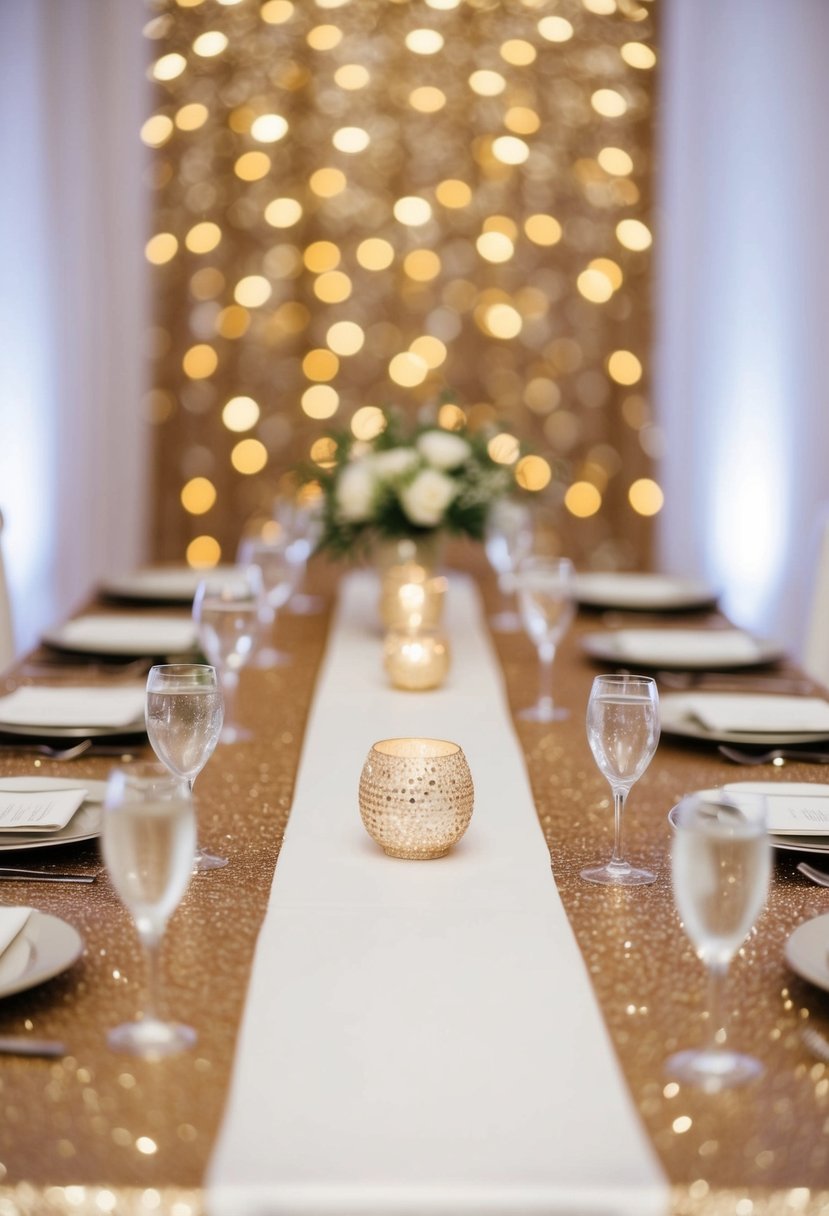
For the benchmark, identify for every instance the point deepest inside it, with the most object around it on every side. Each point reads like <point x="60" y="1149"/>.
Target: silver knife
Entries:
<point x="25" y="1045"/>
<point x="43" y="876"/>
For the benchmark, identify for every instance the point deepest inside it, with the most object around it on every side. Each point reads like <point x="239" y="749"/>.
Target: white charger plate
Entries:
<point x="161" y="584"/>
<point x="807" y="951"/>
<point x="677" y="721"/>
<point x="129" y="635"/>
<point x="45" y="946"/>
<point x="778" y="840"/>
<point x="642" y="592"/>
<point x="85" y="824"/>
<point x="607" y="647"/>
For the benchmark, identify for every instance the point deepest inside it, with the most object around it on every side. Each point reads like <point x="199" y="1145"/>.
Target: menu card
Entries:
<point x="38" y="810"/>
<point x="39" y="705"/>
<point x="795" y="812"/>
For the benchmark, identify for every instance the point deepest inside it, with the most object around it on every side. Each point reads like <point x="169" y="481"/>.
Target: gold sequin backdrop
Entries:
<point x="374" y="202"/>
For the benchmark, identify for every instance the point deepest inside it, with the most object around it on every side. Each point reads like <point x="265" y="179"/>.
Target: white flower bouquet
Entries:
<point x="412" y="485"/>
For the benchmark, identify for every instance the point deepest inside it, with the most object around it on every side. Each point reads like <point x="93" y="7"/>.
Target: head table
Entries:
<point x="100" y="1132"/>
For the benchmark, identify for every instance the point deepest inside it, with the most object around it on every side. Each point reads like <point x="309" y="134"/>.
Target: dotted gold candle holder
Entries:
<point x="411" y="598"/>
<point x="416" y="796"/>
<point x="416" y="661"/>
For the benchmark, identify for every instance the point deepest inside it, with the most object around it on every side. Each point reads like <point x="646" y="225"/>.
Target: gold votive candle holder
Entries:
<point x="416" y="796"/>
<point x="416" y="660"/>
<point x="411" y="598"/>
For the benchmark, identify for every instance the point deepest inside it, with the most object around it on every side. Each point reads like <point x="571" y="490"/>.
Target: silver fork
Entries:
<point x="738" y="756"/>
<point x="46" y="749"/>
<point x="818" y="876"/>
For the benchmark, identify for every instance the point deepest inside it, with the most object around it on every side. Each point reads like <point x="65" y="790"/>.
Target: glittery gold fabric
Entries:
<point x="99" y="1132"/>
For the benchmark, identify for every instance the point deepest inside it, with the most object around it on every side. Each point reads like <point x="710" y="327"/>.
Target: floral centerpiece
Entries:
<point x="407" y="485"/>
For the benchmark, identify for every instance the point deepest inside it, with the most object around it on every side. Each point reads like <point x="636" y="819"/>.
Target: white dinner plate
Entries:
<point x="160" y="584"/>
<point x="620" y="647"/>
<point x="85" y="824"/>
<point x="677" y="720"/>
<point x="127" y="634"/>
<point x="45" y="946"/>
<point x="642" y="592"/>
<point x="778" y="840"/>
<point x="807" y="951"/>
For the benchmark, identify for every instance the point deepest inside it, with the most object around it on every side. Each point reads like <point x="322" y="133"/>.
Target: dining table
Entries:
<point x="386" y="1036"/>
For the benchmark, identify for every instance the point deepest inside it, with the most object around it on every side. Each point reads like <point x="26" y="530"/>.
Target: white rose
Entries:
<point x="443" y="449"/>
<point x="394" y="462"/>
<point x="355" y="492"/>
<point x="426" y="498"/>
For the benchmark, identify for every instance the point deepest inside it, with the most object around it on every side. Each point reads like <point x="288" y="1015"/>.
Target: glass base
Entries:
<point x="714" y="1069"/>
<point x="506" y="622"/>
<point x="207" y="861"/>
<point x="269" y="658"/>
<point x="542" y="712"/>
<point x="151" y="1038"/>
<point x="618" y="874"/>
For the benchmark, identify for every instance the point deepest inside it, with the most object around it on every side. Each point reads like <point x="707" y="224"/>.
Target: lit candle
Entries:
<point x="416" y="661"/>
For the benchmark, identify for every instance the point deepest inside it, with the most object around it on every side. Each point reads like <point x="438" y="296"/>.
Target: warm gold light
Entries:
<point x="555" y="29"/>
<point x="608" y="103"/>
<point x="198" y="495"/>
<point x="203" y="553"/>
<point x="283" y="212"/>
<point x="157" y="130"/>
<point x="375" y="253"/>
<point x="203" y="237"/>
<point x="518" y="52"/>
<point x="333" y="287"/>
<point x="168" y="67"/>
<point x="351" y="140"/>
<point x="633" y="234"/>
<point x="321" y="256"/>
<point x="610" y="269"/>
<point x="646" y="497"/>
<point x="602" y="8"/>
<point x="324" y="452"/>
<point x="412" y="211"/>
<point x="495" y="247"/>
<point x="345" y="338"/>
<point x="487" y="83"/>
<point x="269" y="128"/>
<point x="453" y="193"/>
<point x="424" y="42"/>
<point x="624" y="367"/>
<point x="251" y="166"/>
<point x="324" y="37"/>
<point x="253" y="291"/>
<point x="533" y="473"/>
<point x="504" y="448"/>
<point x="249" y="456"/>
<point x="352" y="76"/>
<point x="210" y="44"/>
<point x="543" y="229"/>
<point x="615" y="161"/>
<point x="161" y="248"/>
<point x="207" y="283"/>
<point x="582" y="499"/>
<point x="510" y="150"/>
<point x="320" y="364"/>
<point x="594" y="286"/>
<point x="276" y="12"/>
<point x="422" y="265"/>
<point x="367" y="423"/>
<point x="408" y="369"/>
<point x="521" y="120"/>
<point x="451" y="417"/>
<point x="191" y="116"/>
<point x="200" y="361"/>
<point x="427" y="99"/>
<point x="503" y="321"/>
<point x="542" y="395"/>
<point x="637" y="55"/>
<point x="326" y="183"/>
<point x="431" y="350"/>
<point x="320" y="401"/>
<point x="240" y="414"/>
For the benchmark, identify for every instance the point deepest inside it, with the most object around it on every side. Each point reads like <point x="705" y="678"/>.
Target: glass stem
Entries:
<point x="230" y="682"/>
<point x="619" y="798"/>
<point x="546" y="655"/>
<point x="151" y="941"/>
<point x="716" y="1011"/>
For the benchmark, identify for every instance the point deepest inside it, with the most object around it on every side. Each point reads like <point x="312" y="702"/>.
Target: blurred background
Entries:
<point x="231" y="226"/>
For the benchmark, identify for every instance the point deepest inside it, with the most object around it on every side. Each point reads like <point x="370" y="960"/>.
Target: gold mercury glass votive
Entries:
<point x="416" y="660"/>
<point x="411" y="598"/>
<point x="416" y="796"/>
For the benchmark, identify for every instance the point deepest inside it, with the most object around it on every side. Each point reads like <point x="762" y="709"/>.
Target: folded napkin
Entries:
<point x="38" y="705"/>
<point x="38" y="810"/>
<point x="761" y="713"/>
<point x="12" y="922"/>
<point x="164" y="582"/>
<point x="130" y="634"/>
<point x="634" y="590"/>
<point x="798" y="809"/>
<point x="686" y="645"/>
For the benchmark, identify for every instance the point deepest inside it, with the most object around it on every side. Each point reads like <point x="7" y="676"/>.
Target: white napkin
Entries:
<point x="38" y="810"/>
<point x="38" y="705"/>
<point x="130" y="634"/>
<point x="634" y="590"/>
<point x="12" y="922"/>
<point x="686" y="645"/>
<point x="760" y="713"/>
<point x="162" y="582"/>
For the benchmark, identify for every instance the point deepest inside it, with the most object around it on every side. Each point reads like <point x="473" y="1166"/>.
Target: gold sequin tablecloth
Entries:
<point x="97" y="1132"/>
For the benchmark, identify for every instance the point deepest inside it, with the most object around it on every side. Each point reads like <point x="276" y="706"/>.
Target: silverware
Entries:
<point x="110" y="671"/>
<point x="816" y="1042"/>
<point x="739" y="756"/>
<point x="818" y="876"/>
<point x="46" y="749"/>
<point x="25" y="1045"/>
<point x="20" y="875"/>
<point x="731" y="682"/>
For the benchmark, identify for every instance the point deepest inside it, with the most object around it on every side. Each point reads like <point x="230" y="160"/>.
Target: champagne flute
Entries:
<point x="507" y="539"/>
<point x="720" y="864"/>
<point x="227" y="615"/>
<point x="281" y="570"/>
<point x="184" y="711"/>
<point x="623" y="731"/>
<point x="546" y="598"/>
<point x="147" y="840"/>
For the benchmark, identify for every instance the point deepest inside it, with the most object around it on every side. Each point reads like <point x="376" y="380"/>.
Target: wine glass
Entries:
<point x="720" y="864"/>
<point x="183" y="710"/>
<point x="623" y="731"/>
<point x="546" y="598"/>
<point x="147" y="840"/>
<point x="227" y="615"/>
<point x="508" y="538"/>
<point x="280" y="566"/>
<point x="301" y="518"/>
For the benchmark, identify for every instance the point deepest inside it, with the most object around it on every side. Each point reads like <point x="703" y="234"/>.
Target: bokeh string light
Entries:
<point x="370" y="202"/>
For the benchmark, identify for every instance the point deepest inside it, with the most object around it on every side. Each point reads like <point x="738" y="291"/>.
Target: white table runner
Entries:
<point x="421" y="1037"/>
